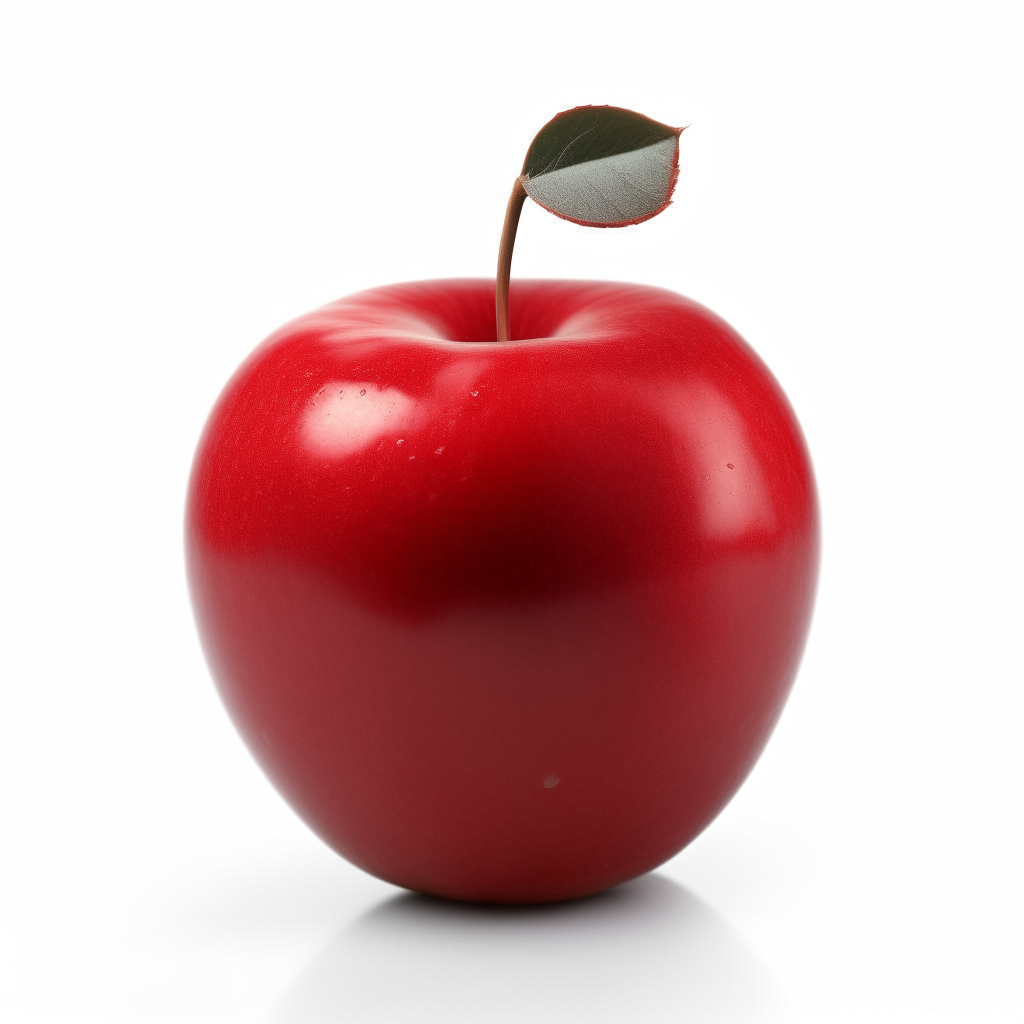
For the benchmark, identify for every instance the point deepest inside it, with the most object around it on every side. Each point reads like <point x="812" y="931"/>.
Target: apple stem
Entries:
<point x="508" y="240"/>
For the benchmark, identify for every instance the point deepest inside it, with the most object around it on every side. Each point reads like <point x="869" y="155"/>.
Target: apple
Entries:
<point x="504" y="621"/>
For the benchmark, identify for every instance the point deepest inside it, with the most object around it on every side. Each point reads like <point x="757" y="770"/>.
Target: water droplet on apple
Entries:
<point x="363" y="392"/>
<point x="474" y="393"/>
<point x="730" y="465"/>
<point x="437" y="451"/>
<point x="550" y="781"/>
<point x="400" y="440"/>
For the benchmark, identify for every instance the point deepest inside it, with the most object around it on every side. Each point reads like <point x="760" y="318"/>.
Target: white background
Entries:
<point x="179" y="179"/>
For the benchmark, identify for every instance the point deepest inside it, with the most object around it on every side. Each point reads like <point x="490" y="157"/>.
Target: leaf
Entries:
<point x="603" y="166"/>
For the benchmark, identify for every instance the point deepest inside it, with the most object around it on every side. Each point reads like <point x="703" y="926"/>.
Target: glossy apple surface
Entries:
<point x="511" y="621"/>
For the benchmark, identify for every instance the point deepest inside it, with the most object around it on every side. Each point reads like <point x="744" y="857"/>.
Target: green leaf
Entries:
<point x="603" y="166"/>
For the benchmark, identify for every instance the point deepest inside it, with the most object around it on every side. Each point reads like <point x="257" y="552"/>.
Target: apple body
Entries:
<point x="505" y="622"/>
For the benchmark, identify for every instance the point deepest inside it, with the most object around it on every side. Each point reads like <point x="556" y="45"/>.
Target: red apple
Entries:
<point x="504" y="621"/>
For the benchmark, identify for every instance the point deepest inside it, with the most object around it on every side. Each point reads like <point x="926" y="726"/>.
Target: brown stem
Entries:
<point x="508" y="240"/>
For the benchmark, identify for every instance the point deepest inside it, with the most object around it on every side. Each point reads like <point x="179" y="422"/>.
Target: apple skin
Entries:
<point x="504" y="622"/>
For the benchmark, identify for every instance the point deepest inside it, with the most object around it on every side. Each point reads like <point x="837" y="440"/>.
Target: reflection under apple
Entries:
<point x="648" y="950"/>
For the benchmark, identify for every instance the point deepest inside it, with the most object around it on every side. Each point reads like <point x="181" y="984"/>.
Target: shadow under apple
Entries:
<point x="647" y="950"/>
